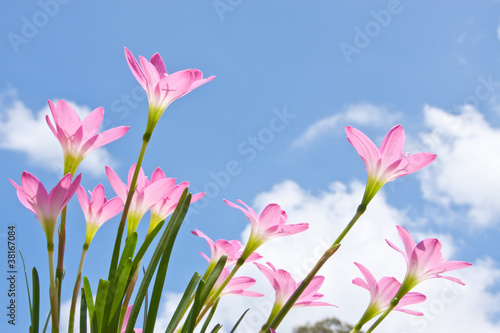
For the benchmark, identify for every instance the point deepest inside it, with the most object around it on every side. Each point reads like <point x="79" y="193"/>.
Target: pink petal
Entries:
<point x="210" y="242"/>
<point x="66" y="117"/>
<point x="177" y="84"/>
<point x="155" y="192"/>
<point x="136" y="70"/>
<point x="372" y="283"/>
<point x="98" y="198"/>
<point x="158" y="174"/>
<point x="111" y="208"/>
<point x="411" y="298"/>
<point x="58" y="194"/>
<point x="199" y="82"/>
<point x="392" y="146"/>
<point x="268" y="272"/>
<point x="158" y="63"/>
<point x="269" y="216"/>
<point x="108" y="136"/>
<point x="360" y="282"/>
<point x="83" y="200"/>
<point x="120" y="188"/>
<point x="364" y="146"/>
<point x="408" y="241"/>
<point x="250" y="213"/>
<point x="92" y="122"/>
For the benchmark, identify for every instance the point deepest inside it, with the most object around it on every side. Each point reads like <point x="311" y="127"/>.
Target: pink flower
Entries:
<point x="223" y="247"/>
<point x="46" y="206"/>
<point x="162" y="88"/>
<point x="78" y="138"/>
<point x="237" y="285"/>
<point x="270" y="224"/>
<point x="146" y="194"/>
<point x="387" y="163"/>
<point x="98" y="210"/>
<point x="381" y="294"/>
<point x="284" y="286"/>
<point x="168" y="203"/>
<point x="125" y="321"/>
<point x="424" y="260"/>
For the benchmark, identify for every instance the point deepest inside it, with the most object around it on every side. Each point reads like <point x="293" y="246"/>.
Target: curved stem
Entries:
<point x="394" y="302"/>
<point x="121" y="227"/>
<point x="52" y="289"/>
<point x="76" y="290"/>
<point x="291" y="301"/>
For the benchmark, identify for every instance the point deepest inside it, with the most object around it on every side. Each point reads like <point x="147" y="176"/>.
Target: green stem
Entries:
<point x="291" y="301"/>
<point x="121" y="227"/>
<point x="239" y="263"/>
<point x="60" y="257"/>
<point x="52" y="289"/>
<point x="76" y="290"/>
<point x="394" y="303"/>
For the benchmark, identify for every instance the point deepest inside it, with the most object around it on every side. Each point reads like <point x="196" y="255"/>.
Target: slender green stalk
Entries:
<point x="239" y="263"/>
<point x="291" y="301"/>
<point x="121" y="227"/>
<point x="76" y="290"/>
<point x="61" y="244"/>
<point x="52" y="289"/>
<point x="394" y="303"/>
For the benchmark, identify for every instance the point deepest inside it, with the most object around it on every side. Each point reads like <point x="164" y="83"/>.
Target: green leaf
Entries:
<point x="100" y="302"/>
<point x="164" y="247"/>
<point x="202" y="294"/>
<point x="120" y="288"/>
<point x="128" y="250"/>
<point x="27" y="286"/>
<point x="209" y="318"/>
<point x="183" y="304"/>
<point x="83" y="313"/>
<point x="88" y="297"/>
<point x="145" y="245"/>
<point x="216" y="328"/>
<point x="239" y="321"/>
<point x="46" y="322"/>
<point x="35" y="315"/>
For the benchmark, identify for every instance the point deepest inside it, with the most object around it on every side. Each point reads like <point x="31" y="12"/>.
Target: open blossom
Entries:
<point x="97" y="210"/>
<point x="284" y="286"/>
<point x="387" y="163"/>
<point x="168" y="203"/>
<point x="270" y="224"/>
<point x="79" y="137"/>
<point x="232" y="249"/>
<point x="424" y="260"/>
<point x="146" y="194"/>
<point x="162" y="88"/>
<point x="381" y="294"/>
<point x="46" y="206"/>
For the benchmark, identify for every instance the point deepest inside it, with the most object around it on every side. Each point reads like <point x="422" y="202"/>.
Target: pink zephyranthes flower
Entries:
<point x="232" y="249"/>
<point x="162" y="88"/>
<point x="284" y="286"/>
<point x="146" y="194"/>
<point x="270" y="224"/>
<point x="381" y="294"/>
<point x="97" y="210"/>
<point x="46" y="206"/>
<point x="79" y="137"/>
<point x="424" y="260"/>
<point x="168" y="203"/>
<point x="387" y="163"/>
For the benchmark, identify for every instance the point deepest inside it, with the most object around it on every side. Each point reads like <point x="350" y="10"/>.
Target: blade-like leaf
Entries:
<point x="35" y="316"/>
<point x="164" y="247"/>
<point x="183" y="304"/>
<point x="145" y="245"/>
<point x="239" y="321"/>
<point x="195" y="309"/>
<point x="216" y="328"/>
<point x="88" y="297"/>
<point x="100" y="302"/>
<point x="209" y="318"/>
<point x="120" y="288"/>
<point x="128" y="250"/>
<point x="83" y="313"/>
<point x="27" y="285"/>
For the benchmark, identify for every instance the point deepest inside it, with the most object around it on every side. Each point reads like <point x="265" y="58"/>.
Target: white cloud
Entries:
<point x="466" y="170"/>
<point x="25" y="131"/>
<point x="359" y="114"/>
<point x="450" y="307"/>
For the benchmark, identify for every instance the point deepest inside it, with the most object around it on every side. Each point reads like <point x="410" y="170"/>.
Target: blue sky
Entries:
<point x="290" y="77"/>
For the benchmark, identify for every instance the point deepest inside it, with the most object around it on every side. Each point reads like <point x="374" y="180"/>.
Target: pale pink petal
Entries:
<point x="269" y="216"/>
<point x="136" y="70"/>
<point x="83" y="200"/>
<point x="92" y="122"/>
<point x="210" y="242"/>
<point x="364" y="146"/>
<point x="106" y="137"/>
<point x="408" y="241"/>
<point x="110" y="209"/>
<point x="360" y="282"/>
<point x="392" y="146"/>
<point x="371" y="282"/>
<point x="98" y="197"/>
<point x="200" y="82"/>
<point x="176" y="85"/>
<point x="158" y="174"/>
<point x="120" y="188"/>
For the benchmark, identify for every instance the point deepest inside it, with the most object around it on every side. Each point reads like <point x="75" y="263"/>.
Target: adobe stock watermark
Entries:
<point x="364" y="35"/>
<point x="224" y="6"/>
<point x="31" y="26"/>
<point x="247" y="151"/>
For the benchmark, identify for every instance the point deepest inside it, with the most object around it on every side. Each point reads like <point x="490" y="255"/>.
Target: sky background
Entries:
<point x="290" y="75"/>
